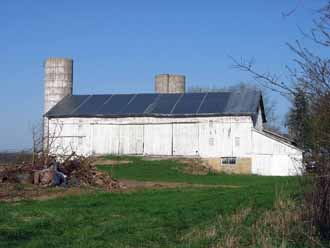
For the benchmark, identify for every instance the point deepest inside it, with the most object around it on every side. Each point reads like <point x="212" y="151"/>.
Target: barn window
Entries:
<point x="210" y="124"/>
<point x="228" y="160"/>
<point x="237" y="141"/>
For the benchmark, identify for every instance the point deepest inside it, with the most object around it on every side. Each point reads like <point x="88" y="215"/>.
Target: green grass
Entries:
<point x="149" y="218"/>
<point x="172" y="171"/>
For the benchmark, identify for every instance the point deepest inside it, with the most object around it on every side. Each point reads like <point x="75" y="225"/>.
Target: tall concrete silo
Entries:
<point x="58" y="80"/>
<point x="58" y="84"/>
<point x="170" y="83"/>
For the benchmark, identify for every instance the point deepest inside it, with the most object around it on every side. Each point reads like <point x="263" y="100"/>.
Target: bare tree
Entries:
<point x="46" y="146"/>
<point x="310" y="77"/>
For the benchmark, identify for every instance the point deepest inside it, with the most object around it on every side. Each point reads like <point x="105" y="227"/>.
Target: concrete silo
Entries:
<point x="58" y="80"/>
<point x="170" y="83"/>
<point x="58" y="84"/>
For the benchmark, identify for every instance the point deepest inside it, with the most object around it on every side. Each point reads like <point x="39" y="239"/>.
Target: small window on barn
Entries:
<point x="228" y="160"/>
<point x="210" y="124"/>
<point x="237" y="141"/>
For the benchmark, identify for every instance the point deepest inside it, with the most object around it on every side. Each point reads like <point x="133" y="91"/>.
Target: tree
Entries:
<point x="298" y="121"/>
<point x="310" y="115"/>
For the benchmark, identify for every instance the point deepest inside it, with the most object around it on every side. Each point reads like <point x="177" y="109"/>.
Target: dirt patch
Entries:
<point x="10" y="192"/>
<point x="18" y="192"/>
<point x="111" y="162"/>
<point x="132" y="185"/>
<point x="194" y="166"/>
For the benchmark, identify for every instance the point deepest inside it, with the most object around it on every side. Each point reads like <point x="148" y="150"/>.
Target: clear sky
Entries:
<point x="118" y="46"/>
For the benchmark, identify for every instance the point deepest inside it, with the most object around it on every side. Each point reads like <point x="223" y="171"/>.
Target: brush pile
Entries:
<point x="81" y="172"/>
<point x="73" y="171"/>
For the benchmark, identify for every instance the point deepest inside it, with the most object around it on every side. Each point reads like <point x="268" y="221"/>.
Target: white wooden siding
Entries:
<point x="273" y="157"/>
<point x="209" y="139"/>
<point x="201" y="136"/>
<point x="185" y="139"/>
<point x="131" y="139"/>
<point x="158" y="139"/>
<point x="105" y="139"/>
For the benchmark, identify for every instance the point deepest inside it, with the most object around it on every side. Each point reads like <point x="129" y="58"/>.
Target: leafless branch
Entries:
<point x="266" y="80"/>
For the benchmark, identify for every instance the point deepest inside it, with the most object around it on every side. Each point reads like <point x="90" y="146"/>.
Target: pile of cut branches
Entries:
<point x="73" y="171"/>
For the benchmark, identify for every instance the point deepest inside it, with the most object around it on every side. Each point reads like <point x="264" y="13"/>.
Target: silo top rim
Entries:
<point x="167" y="74"/>
<point x="51" y="59"/>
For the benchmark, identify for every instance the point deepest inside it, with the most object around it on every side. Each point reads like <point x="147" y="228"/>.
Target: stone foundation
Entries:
<point x="242" y="166"/>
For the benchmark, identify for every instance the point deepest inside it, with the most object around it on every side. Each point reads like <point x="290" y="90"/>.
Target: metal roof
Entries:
<point x="242" y="102"/>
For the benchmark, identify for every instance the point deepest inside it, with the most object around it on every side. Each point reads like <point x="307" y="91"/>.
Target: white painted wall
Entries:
<point x="158" y="139"/>
<point x="203" y="136"/>
<point x="274" y="157"/>
<point x="130" y="139"/>
<point x="186" y="139"/>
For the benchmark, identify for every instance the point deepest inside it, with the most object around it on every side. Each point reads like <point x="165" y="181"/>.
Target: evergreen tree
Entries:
<point x="298" y="120"/>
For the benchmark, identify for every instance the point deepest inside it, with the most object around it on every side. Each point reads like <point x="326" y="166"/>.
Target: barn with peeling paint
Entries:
<point x="224" y="129"/>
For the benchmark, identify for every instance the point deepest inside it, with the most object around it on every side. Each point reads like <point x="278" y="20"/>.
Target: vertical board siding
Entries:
<point x="225" y="139"/>
<point x="158" y="139"/>
<point x="100" y="139"/>
<point x="208" y="137"/>
<point x="185" y="139"/>
<point x="262" y="164"/>
<point x="105" y="139"/>
<point x="131" y="139"/>
<point x="274" y="158"/>
<point x="241" y="139"/>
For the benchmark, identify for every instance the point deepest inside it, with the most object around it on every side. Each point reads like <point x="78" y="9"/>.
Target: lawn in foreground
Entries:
<point x="149" y="218"/>
<point x="173" y="171"/>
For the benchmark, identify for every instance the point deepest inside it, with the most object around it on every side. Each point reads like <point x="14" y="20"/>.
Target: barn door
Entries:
<point x="185" y="139"/>
<point x="131" y="139"/>
<point x="158" y="139"/>
<point x="105" y="139"/>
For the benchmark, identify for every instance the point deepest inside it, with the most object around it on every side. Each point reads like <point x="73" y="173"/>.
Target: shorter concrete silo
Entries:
<point x="170" y="83"/>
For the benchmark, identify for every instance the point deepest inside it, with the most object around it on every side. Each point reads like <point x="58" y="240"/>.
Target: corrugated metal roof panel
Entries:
<point x="215" y="102"/>
<point x="188" y="104"/>
<point x="139" y="104"/>
<point x="115" y="105"/>
<point x="67" y="105"/>
<point x="92" y="105"/>
<point x="164" y="104"/>
<point x="243" y="102"/>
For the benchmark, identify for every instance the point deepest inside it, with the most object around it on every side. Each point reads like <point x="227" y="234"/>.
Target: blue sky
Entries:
<point x="118" y="46"/>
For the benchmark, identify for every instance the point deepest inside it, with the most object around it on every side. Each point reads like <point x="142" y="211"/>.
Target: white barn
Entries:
<point x="224" y="129"/>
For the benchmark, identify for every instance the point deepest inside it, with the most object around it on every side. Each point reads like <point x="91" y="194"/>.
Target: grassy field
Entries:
<point x="180" y="217"/>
